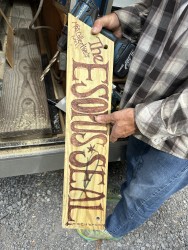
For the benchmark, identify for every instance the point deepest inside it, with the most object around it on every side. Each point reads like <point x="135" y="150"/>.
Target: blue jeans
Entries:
<point x="152" y="177"/>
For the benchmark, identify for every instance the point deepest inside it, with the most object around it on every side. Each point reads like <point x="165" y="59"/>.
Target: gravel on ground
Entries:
<point x="31" y="211"/>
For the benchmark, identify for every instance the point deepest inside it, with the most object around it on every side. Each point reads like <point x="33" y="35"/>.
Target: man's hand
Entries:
<point x="110" y="22"/>
<point x="123" y="123"/>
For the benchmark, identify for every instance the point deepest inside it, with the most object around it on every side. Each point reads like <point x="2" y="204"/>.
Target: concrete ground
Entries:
<point x="31" y="209"/>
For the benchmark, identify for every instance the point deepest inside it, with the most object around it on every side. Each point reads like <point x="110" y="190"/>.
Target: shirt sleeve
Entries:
<point x="164" y="119"/>
<point x="132" y="19"/>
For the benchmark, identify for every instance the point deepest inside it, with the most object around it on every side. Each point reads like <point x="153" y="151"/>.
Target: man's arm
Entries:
<point x="132" y="19"/>
<point x="127" y="22"/>
<point x="159" y="117"/>
<point x="165" y="118"/>
<point x="158" y="121"/>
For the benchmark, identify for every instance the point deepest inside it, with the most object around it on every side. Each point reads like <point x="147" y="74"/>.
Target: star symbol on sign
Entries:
<point x="91" y="148"/>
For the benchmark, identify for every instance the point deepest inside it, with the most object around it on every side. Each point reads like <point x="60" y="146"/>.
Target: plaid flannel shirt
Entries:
<point x="157" y="83"/>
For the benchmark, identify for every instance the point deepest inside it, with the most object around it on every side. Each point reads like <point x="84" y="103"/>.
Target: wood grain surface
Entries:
<point x="23" y="105"/>
<point x="10" y="47"/>
<point x="2" y="64"/>
<point x="89" y="86"/>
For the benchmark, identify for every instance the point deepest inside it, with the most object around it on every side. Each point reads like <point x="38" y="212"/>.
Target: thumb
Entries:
<point x="99" y="24"/>
<point x="97" y="27"/>
<point x="105" y="118"/>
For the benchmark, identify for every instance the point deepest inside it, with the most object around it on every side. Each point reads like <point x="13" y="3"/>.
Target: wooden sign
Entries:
<point x="89" y="86"/>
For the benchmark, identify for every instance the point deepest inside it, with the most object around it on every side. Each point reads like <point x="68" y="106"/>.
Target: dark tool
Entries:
<point x="116" y="96"/>
<point x="87" y="12"/>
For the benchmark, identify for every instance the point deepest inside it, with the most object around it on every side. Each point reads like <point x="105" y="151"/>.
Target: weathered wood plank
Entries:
<point x="2" y="63"/>
<point x="4" y="7"/>
<point x="10" y="47"/>
<point x="22" y="10"/>
<point x="10" y="40"/>
<point x="23" y="103"/>
<point x="89" y="85"/>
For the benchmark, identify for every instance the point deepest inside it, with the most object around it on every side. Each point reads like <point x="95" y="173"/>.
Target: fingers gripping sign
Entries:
<point x="123" y="123"/>
<point x="110" y="22"/>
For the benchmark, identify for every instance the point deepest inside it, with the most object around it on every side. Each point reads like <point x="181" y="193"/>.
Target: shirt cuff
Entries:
<point x="130" y="22"/>
<point x="150" y="123"/>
